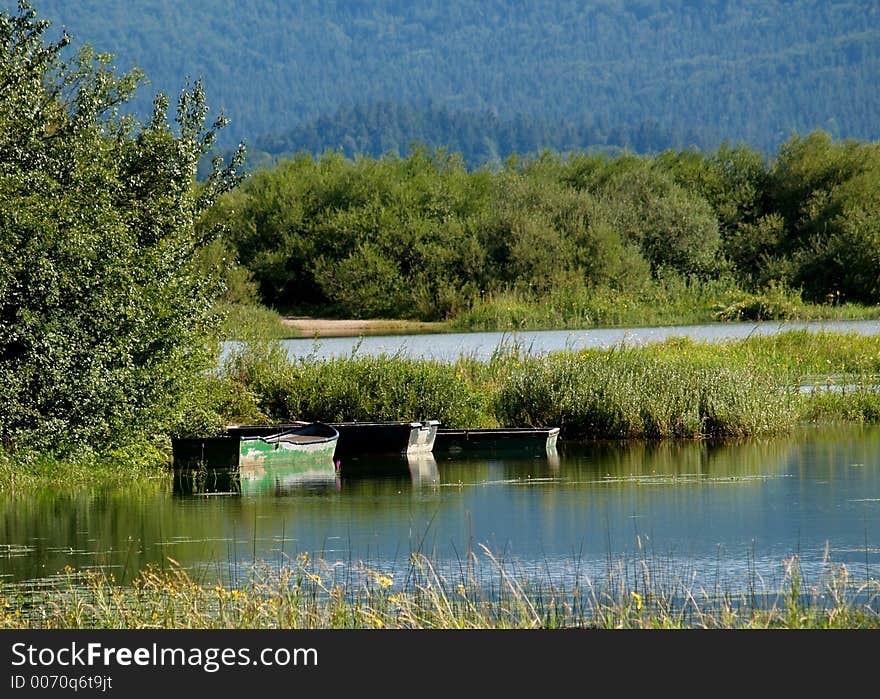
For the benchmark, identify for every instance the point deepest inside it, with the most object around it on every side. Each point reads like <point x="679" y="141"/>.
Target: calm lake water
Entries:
<point x="718" y="516"/>
<point x="449" y="346"/>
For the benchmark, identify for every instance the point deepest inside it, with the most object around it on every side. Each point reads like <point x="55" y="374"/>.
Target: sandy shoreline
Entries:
<point x="327" y="327"/>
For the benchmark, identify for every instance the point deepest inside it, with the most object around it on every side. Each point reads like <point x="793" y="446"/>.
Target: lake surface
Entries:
<point x="718" y="516"/>
<point x="449" y="346"/>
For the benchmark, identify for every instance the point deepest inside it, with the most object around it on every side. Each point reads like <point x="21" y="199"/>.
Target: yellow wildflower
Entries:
<point x="638" y="598"/>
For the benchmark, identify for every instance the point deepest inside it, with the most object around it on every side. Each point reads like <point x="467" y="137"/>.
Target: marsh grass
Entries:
<point x="248" y="321"/>
<point x="364" y="388"/>
<point x="856" y="399"/>
<point x="679" y="388"/>
<point x="798" y="355"/>
<point x="566" y="308"/>
<point x="665" y="301"/>
<point x="625" y="394"/>
<point x="637" y="593"/>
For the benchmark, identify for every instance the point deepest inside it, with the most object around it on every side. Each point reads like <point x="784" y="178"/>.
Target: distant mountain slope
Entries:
<point x="753" y="70"/>
<point x="480" y="136"/>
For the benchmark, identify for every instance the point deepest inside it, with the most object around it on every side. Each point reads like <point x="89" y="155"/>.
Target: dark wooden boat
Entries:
<point x="356" y="438"/>
<point x="525" y="440"/>
<point x="385" y="437"/>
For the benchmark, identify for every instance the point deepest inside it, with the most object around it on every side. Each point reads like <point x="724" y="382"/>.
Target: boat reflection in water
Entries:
<point x="284" y="481"/>
<point x="251" y="480"/>
<point x="256" y="480"/>
<point x="420" y="468"/>
<point x="423" y="469"/>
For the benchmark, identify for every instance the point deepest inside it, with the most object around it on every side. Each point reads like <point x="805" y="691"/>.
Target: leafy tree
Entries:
<point x="104" y="320"/>
<point x="424" y="237"/>
<point x="828" y="194"/>
<point x="674" y="227"/>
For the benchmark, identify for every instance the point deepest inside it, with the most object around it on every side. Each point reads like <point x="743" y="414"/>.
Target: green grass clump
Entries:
<point x="800" y="356"/>
<point x="355" y="388"/>
<point x="570" y="306"/>
<point x="248" y="321"/>
<point x="857" y="400"/>
<point x="625" y="394"/>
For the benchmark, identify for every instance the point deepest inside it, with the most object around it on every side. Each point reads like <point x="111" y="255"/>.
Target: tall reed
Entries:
<point x="625" y="394"/>
<point x="306" y="594"/>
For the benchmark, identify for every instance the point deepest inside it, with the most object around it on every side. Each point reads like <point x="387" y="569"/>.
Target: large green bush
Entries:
<point x="104" y="318"/>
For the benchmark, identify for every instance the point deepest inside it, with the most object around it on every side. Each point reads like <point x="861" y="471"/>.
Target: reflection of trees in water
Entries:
<point x="80" y="527"/>
<point x="829" y="457"/>
<point x="125" y="529"/>
<point x="685" y="460"/>
<point x="146" y="522"/>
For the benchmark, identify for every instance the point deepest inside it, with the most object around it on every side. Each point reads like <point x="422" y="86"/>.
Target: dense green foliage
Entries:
<point x="104" y="318"/>
<point x="517" y="76"/>
<point x="676" y="389"/>
<point x="425" y="237"/>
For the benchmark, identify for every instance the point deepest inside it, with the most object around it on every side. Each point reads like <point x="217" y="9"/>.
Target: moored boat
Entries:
<point x="356" y="438"/>
<point x="303" y="445"/>
<point x="386" y="437"/>
<point x="538" y="440"/>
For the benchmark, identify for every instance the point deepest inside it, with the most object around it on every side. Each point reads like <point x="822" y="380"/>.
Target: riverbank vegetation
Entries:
<point x="679" y="388"/>
<point x="307" y="594"/>
<point x="120" y="273"/>
<point x="106" y="317"/>
<point x="26" y="471"/>
<point x="667" y="301"/>
<point x="567" y="240"/>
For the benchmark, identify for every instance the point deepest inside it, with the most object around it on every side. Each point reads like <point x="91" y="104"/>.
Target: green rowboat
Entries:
<point x="301" y="447"/>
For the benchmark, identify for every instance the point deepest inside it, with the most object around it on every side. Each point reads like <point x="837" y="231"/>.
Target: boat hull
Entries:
<point x="357" y="438"/>
<point x="532" y="440"/>
<point x="302" y="446"/>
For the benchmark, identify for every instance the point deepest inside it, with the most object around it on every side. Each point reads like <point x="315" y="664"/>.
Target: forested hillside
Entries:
<point x="646" y="74"/>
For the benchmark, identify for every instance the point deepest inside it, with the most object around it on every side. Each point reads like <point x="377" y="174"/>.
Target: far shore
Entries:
<point x="307" y="326"/>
